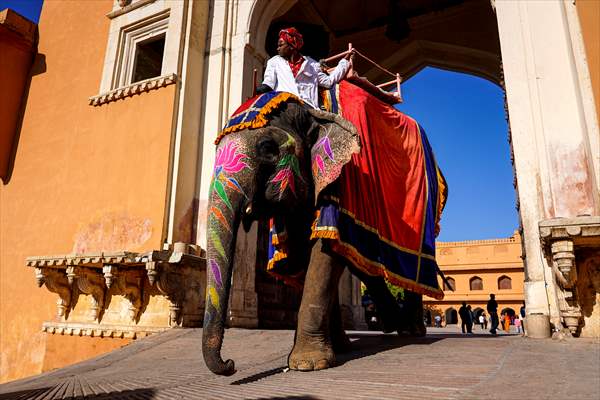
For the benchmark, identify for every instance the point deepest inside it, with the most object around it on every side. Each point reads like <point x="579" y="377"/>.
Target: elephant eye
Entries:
<point x="267" y="150"/>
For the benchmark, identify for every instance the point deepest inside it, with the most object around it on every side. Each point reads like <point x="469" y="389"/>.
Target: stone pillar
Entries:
<point x="243" y="310"/>
<point x="345" y="298"/>
<point x="550" y="138"/>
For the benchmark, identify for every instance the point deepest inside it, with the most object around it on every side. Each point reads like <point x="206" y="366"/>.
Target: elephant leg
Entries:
<point x="388" y="309"/>
<point x="313" y="348"/>
<point x="340" y="341"/>
<point x="414" y="304"/>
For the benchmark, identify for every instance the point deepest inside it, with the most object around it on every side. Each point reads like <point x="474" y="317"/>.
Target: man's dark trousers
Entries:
<point x="495" y="322"/>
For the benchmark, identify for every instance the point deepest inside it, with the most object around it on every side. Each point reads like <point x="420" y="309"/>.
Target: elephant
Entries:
<point x="267" y="172"/>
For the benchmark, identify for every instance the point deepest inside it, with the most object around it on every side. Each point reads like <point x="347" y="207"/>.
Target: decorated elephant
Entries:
<point x="282" y="166"/>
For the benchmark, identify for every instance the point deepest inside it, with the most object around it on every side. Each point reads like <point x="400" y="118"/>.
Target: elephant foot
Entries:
<point x="311" y="354"/>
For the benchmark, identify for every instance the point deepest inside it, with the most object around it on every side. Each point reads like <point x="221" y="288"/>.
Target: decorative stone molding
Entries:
<point x="133" y="89"/>
<point x="106" y="331"/>
<point x="127" y="6"/>
<point x="128" y="294"/>
<point x="572" y="246"/>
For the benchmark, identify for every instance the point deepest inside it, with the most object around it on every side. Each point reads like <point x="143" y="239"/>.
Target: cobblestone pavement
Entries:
<point x="442" y="365"/>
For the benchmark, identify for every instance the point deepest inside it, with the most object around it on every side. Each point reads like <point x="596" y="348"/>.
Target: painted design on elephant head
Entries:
<point x="228" y="161"/>
<point x="323" y="145"/>
<point x="288" y="168"/>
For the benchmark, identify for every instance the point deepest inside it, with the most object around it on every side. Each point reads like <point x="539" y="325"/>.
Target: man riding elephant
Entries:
<point x="292" y="72"/>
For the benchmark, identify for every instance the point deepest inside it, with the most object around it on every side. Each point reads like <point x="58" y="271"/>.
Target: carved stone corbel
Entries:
<point x="56" y="282"/>
<point x="564" y="258"/>
<point x="92" y="283"/>
<point x="170" y="284"/>
<point x="130" y="285"/>
<point x="110" y="274"/>
<point x="152" y="270"/>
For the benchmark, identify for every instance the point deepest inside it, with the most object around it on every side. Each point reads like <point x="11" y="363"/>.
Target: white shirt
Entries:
<point x="278" y="76"/>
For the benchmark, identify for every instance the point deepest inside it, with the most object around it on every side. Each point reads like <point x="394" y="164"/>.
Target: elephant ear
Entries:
<point x="337" y="140"/>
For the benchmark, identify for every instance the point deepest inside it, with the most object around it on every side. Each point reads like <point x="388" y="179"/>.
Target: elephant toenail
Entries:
<point x="322" y="364"/>
<point x="305" y="366"/>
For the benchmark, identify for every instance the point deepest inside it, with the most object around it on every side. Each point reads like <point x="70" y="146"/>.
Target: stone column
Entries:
<point x="243" y="310"/>
<point x="549" y="129"/>
<point x="345" y="298"/>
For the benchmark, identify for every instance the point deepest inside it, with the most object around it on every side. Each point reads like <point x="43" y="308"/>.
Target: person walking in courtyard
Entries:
<point x="522" y="313"/>
<point x="466" y="318"/>
<point x="492" y="309"/>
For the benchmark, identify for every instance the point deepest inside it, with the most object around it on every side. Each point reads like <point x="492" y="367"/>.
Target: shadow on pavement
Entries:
<point x="59" y="392"/>
<point x="368" y="344"/>
<point x="259" y="376"/>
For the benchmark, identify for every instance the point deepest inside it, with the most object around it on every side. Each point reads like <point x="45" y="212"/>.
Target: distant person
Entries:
<point x="507" y="322"/>
<point x="438" y="321"/>
<point x="471" y="320"/>
<point x="370" y="311"/>
<point x="482" y="321"/>
<point x="492" y="309"/>
<point x="522" y="312"/>
<point x="518" y="323"/>
<point x="466" y="318"/>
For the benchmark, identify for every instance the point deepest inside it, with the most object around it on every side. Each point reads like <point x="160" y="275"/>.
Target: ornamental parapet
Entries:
<point x="122" y="294"/>
<point x="133" y="89"/>
<point x="572" y="247"/>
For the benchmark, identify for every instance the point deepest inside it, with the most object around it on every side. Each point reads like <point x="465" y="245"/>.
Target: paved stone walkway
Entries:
<point x="443" y="365"/>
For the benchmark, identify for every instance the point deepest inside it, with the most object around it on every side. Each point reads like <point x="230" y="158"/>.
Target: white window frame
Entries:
<point x="140" y="21"/>
<point x="130" y="37"/>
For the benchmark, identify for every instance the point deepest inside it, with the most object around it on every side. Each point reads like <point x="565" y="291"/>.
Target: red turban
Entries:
<point x="292" y="37"/>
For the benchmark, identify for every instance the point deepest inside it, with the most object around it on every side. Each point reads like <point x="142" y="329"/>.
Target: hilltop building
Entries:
<point x="474" y="269"/>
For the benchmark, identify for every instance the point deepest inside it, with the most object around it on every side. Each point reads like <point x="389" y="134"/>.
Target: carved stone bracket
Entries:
<point x="120" y="287"/>
<point x="92" y="283"/>
<point x="567" y="243"/>
<point x="56" y="282"/>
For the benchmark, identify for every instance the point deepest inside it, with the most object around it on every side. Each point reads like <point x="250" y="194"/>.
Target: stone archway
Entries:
<point x="541" y="50"/>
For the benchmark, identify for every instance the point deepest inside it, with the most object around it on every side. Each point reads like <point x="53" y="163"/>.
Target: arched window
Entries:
<point x="449" y="284"/>
<point x="475" y="283"/>
<point x="504" y="282"/>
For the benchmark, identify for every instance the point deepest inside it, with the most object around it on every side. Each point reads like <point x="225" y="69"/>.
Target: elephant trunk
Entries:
<point x="225" y="206"/>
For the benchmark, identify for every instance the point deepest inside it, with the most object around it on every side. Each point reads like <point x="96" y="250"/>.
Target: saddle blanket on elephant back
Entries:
<point x="382" y="215"/>
<point x="254" y="113"/>
<point x="391" y="196"/>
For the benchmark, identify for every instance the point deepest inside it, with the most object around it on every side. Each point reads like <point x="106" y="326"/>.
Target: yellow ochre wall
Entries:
<point x="589" y="18"/>
<point x="85" y="179"/>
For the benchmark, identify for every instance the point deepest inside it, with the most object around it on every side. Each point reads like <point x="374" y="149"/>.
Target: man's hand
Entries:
<point x="350" y="56"/>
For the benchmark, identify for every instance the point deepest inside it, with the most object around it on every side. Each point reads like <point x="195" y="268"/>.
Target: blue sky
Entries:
<point x="464" y="119"/>
<point x="28" y="8"/>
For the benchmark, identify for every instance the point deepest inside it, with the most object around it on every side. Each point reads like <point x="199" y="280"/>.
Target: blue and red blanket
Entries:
<point x="391" y="195"/>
